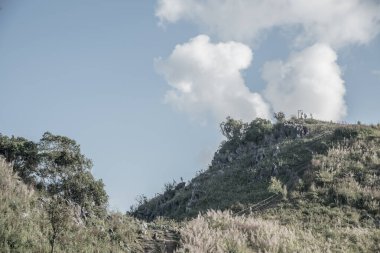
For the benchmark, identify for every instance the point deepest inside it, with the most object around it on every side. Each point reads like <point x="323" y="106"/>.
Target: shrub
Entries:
<point x="232" y="129"/>
<point x="257" y="130"/>
<point x="279" y="116"/>
<point x="345" y="133"/>
<point x="276" y="187"/>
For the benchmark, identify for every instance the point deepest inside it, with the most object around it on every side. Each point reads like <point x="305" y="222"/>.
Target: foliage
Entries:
<point x="87" y="192"/>
<point x="57" y="166"/>
<point x="23" y="154"/>
<point x="327" y="174"/>
<point x="232" y="129"/>
<point x="32" y="221"/>
<point x="58" y="215"/>
<point x="342" y="133"/>
<point x="279" y="116"/>
<point x="20" y="219"/>
<point x="235" y="130"/>
<point x="276" y="187"/>
<point x="331" y="167"/>
<point x="257" y="130"/>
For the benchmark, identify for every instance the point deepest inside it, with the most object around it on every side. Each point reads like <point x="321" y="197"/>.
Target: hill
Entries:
<point x="299" y="185"/>
<point x="308" y="176"/>
<point x="328" y="163"/>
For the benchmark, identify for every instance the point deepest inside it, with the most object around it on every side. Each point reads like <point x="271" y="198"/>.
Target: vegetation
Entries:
<point x="217" y="231"/>
<point x="56" y="205"/>
<point x="56" y="167"/>
<point x="316" y="180"/>
<point x="297" y="185"/>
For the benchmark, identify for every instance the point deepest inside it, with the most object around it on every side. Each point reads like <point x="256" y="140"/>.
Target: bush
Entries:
<point x="276" y="187"/>
<point x="232" y="129"/>
<point x="279" y="116"/>
<point x="345" y="133"/>
<point x="23" y="154"/>
<point x="257" y="130"/>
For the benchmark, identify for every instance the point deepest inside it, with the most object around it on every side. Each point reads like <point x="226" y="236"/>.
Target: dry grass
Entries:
<point x="221" y="232"/>
<point x="25" y="225"/>
<point x="20" y="219"/>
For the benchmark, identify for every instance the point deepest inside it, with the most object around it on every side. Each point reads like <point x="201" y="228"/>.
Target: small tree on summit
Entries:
<point x="279" y="116"/>
<point x="257" y="130"/>
<point x="232" y="129"/>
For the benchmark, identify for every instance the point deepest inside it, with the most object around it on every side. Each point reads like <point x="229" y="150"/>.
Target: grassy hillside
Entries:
<point x="294" y="186"/>
<point x="50" y="202"/>
<point x="282" y="230"/>
<point x="27" y="222"/>
<point x="30" y="221"/>
<point x="322" y="162"/>
<point x="310" y="179"/>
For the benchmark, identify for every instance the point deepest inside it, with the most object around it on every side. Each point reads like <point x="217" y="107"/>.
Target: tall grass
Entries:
<point x="26" y="226"/>
<point x="220" y="232"/>
<point x="21" y="219"/>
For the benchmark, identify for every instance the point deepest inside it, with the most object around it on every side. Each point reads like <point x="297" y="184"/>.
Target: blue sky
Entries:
<point x="100" y="72"/>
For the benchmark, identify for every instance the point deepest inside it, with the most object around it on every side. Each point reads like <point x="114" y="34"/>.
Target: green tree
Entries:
<point x="58" y="214"/>
<point x="60" y="158"/>
<point x="257" y="130"/>
<point x="87" y="192"/>
<point x="279" y="116"/>
<point x="232" y="129"/>
<point x="65" y="171"/>
<point x="22" y="154"/>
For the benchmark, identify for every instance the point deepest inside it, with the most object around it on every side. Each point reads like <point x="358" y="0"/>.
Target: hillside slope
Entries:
<point x="262" y="164"/>
<point x="50" y="202"/>
<point x="294" y="186"/>
<point x="31" y="221"/>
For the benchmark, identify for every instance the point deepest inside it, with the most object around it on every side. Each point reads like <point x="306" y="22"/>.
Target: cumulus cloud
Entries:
<point x="335" y="22"/>
<point x="309" y="80"/>
<point x="206" y="80"/>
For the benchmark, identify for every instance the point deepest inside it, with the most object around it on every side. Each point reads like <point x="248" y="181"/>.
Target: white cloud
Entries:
<point x="309" y="80"/>
<point x="173" y="10"/>
<point x="206" y="80"/>
<point x="335" y="22"/>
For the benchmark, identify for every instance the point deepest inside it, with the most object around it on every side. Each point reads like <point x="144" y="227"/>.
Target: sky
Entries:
<point x="143" y="85"/>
